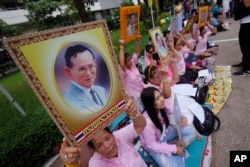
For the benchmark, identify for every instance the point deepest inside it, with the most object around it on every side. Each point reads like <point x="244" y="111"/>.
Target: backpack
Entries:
<point x="209" y="124"/>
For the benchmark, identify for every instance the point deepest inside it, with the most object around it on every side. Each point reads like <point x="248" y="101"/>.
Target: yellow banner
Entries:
<point x="150" y="2"/>
<point x="156" y="4"/>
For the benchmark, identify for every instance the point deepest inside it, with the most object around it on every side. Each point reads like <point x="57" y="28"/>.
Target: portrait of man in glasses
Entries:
<point x="81" y="68"/>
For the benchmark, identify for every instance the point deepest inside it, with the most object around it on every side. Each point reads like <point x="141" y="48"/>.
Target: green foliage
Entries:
<point x="9" y="31"/>
<point x="25" y="141"/>
<point x="163" y="15"/>
<point x="112" y="23"/>
<point x="127" y="3"/>
<point x="40" y="14"/>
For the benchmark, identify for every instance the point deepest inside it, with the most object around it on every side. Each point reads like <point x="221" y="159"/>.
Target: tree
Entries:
<point x="41" y="14"/>
<point x="9" y="31"/>
<point x="81" y="6"/>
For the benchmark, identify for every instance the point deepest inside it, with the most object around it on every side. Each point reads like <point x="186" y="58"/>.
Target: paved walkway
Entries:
<point x="234" y="133"/>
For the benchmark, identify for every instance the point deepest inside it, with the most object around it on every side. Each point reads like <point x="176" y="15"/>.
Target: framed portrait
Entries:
<point x="203" y="15"/>
<point x="176" y="24"/>
<point x="188" y="27"/>
<point x="159" y="42"/>
<point x="73" y="71"/>
<point x="129" y="22"/>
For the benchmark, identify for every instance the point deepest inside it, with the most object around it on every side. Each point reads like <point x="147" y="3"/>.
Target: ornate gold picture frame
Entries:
<point x="129" y="22"/>
<point x="73" y="71"/>
<point x="203" y="15"/>
<point x="159" y="42"/>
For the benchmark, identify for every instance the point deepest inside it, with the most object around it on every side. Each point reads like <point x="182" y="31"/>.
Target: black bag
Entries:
<point x="201" y="94"/>
<point x="211" y="123"/>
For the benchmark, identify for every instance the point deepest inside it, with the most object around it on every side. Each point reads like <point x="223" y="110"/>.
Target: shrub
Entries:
<point x="25" y="141"/>
<point x="28" y="141"/>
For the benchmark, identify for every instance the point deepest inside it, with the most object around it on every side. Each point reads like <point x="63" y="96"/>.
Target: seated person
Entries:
<point x="192" y="62"/>
<point x="151" y="56"/>
<point x="110" y="149"/>
<point x="183" y="47"/>
<point x="130" y="75"/>
<point x="202" y="35"/>
<point x="218" y="22"/>
<point x="159" y="135"/>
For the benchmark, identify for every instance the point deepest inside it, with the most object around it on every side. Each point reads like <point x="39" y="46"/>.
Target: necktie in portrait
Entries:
<point x="95" y="97"/>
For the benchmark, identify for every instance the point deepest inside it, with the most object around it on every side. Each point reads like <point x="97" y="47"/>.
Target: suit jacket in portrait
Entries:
<point x="79" y="100"/>
<point x="131" y="29"/>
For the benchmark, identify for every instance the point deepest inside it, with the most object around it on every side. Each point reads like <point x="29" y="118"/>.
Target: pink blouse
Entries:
<point x="128" y="156"/>
<point x="131" y="79"/>
<point x="150" y="139"/>
<point x="180" y="65"/>
<point x="168" y="101"/>
<point x="201" y="45"/>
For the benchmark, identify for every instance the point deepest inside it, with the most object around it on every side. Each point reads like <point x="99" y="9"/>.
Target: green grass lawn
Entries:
<point x="22" y="93"/>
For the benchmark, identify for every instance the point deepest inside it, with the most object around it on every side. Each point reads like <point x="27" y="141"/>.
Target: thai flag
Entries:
<point x="121" y="104"/>
<point x="79" y="137"/>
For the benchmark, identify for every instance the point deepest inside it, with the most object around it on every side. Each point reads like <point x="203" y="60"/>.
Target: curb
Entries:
<point x="55" y="161"/>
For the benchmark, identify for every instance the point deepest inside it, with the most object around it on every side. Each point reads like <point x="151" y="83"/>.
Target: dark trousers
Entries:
<point x="244" y="40"/>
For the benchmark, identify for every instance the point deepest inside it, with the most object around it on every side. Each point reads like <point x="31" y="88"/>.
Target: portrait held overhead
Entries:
<point x="81" y="67"/>
<point x="77" y="80"/>
<point x="159" y="42"/>
<point x="129" y="22"/>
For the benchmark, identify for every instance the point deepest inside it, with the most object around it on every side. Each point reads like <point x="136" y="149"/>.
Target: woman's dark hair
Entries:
<point x="91" y="145"/>
<point x="149" y="72"/>
<point x="148" y="100"/>
<point x="201" y="28"/>
<point x="165" y="33"/>
<point x="176" y="2"/>
<point x="126" y="55"/>
<point x="175" y="41"/>
<point x="148" y="47"/>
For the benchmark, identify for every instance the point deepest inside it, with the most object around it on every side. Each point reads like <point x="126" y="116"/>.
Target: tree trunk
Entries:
<point x="83" y="14"/>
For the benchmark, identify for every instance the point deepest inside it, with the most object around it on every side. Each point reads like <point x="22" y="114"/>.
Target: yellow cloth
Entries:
<point x="178" y="9"/>
<point x="76" y="165"/>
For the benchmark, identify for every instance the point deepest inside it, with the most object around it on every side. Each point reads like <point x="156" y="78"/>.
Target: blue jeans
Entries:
<point x="174" y="160"/>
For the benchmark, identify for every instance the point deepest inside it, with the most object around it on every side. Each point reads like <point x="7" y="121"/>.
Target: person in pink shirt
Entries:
<point x="184" y="47"/>
<point x="202" y="35"/>
<point x="130" y="75"/>
<point x="159" y="79"/>
<point x="159" y="137"/>
<point x="151" y="57"/>
<point x="110" y="149"/>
